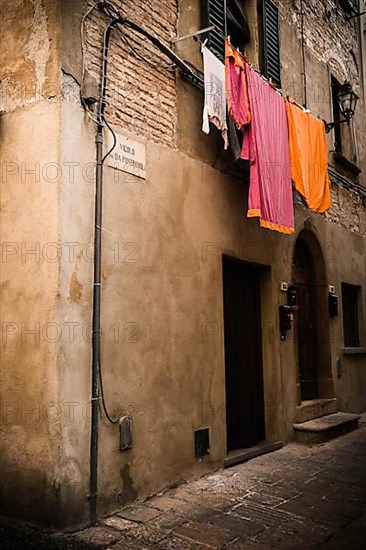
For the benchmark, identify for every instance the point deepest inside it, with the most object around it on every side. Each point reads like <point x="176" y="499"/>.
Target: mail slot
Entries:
<point x="333" y="304"/>
<point x="292" y="296"/>
<point x="286" y="317"/>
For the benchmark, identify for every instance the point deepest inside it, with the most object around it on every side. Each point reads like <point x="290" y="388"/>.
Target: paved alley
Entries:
<point x="297" y="497"/>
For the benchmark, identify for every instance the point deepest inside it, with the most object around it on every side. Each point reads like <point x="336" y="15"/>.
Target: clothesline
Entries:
<point x="281" y="140"/>
<point x="269" y="81"/>
<point x="257" y="70"/>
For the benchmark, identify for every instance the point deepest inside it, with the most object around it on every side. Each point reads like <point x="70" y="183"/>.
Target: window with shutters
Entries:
<point x="350" y="6"/>
<point x="350" y="299"/>
<point x="270" y="41"/>
<point x="229" y="19"/>
<point x="214" y="13"/>
<point x="336" y="115"/>
<point x="228" y="16"/>
<point x="236" y="24"/>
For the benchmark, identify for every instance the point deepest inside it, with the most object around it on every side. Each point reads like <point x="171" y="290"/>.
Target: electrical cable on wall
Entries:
<point x="83" y="68"/>
<point x="102" y="400"/>
<point x="141" y="57"/>
<point x="114" y="139"/>
<point x="103" y="96"/>
<point x="101" y="122"/>
<point x="96" y="386"/>
<point x="100" y="119"/>
<point x="303" y="73"/>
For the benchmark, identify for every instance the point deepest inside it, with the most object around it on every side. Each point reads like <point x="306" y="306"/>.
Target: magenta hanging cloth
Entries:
<point x="236" y="86"/>
<point x="266" y="145"/>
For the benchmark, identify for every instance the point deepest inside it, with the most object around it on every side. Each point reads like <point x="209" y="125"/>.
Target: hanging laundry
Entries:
<point x="266" y="145"/>
<point x="236" y="86"/>
<point x="214" y="109"/>
<point x="309" y="157"/>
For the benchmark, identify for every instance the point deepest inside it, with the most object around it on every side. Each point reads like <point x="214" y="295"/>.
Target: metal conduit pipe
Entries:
<point x="98" y="204"/>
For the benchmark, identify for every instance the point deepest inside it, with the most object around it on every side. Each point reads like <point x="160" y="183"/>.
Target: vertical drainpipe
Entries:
<point x="93" y="479"/>
<point x="93" y="489"/>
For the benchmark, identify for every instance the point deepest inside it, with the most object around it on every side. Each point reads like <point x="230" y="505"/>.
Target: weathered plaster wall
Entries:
<point x="162" y="317"/>
<point x="348" y="256"/>
<point x="162" y="339"/>
<point x="163" y="242"/>
<point x="30" y="47"/>
<point x="30" y="130"/>
<point x="341" y="56"/>
<point x="351" y="376"/>
<point x="347" y="267"/>
<point x="76" y="212"/>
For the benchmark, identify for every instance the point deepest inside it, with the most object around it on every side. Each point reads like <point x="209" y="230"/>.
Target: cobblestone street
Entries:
<point x="296" y="497"/>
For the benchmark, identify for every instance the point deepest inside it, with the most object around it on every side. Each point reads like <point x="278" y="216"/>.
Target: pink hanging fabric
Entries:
<point x="266" y="146"/>
<point x="236" y="86"/>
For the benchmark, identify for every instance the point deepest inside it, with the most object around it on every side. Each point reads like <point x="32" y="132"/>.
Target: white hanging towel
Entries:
<point x="214" y="109"/>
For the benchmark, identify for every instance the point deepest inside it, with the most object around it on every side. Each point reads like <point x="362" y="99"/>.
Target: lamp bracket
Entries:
<point x="330" y="125"/>
<point x="356" y="15"/>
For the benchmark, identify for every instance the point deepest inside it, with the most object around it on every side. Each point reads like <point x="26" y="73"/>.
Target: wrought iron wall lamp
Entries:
<point x="347" y="101"/>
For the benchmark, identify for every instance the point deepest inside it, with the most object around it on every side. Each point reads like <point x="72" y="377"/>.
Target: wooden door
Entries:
<point x="306" y="315"/>
<point x="243" y="355"/>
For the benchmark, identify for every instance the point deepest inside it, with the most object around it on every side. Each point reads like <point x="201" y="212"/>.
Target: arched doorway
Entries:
<point x="311" y="319"/>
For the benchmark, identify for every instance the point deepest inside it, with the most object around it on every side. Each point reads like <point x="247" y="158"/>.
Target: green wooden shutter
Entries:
<point x="214" y="13"/>
<point x="271" y="41"/>
<point x="351" y="6"/>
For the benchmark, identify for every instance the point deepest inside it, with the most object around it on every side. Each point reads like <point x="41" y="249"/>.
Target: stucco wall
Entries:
<point x="163" y="321"/>
<point x="162" y="294"/>
<point x="30" y="159"/>
<point x="163" y="240"/>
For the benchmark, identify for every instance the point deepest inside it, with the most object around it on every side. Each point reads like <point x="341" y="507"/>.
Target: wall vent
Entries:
<point x="125" y="433"/>
<point x="202" y="442"/>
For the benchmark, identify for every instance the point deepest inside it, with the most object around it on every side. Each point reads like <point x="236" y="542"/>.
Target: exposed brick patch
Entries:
<point x="347" y="210"/>
<point x="326" y="34"/>
<point x="142" y="98"/>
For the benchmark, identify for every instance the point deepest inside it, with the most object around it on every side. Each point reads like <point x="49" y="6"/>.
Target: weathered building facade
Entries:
<point x="176" y="242"/>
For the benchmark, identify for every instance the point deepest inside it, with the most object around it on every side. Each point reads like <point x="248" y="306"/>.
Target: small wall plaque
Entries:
<point x="129" y="155"/>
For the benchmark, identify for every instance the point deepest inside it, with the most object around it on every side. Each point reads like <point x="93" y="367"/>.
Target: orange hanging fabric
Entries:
<point x="309" y="157"/>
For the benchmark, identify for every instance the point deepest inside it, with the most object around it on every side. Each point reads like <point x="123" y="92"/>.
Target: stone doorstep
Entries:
<point x="241" y="455"/>
<point x="315" y="408"/>
<point x="138" y="513"/>
<point x="100" y="536"/>
<point x="326" y="427"/>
